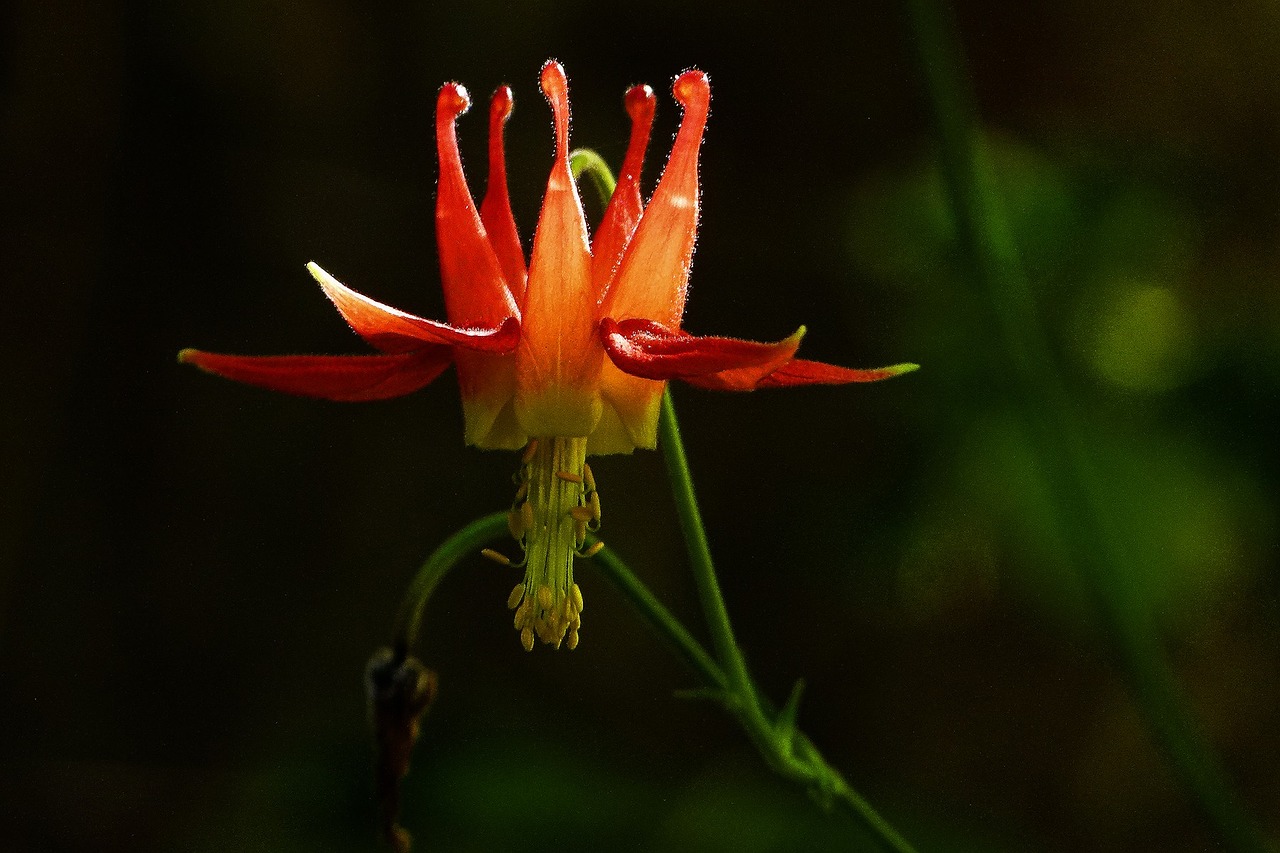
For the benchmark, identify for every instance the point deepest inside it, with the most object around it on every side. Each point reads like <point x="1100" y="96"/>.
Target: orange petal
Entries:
<point x="559" y="353"/>
<point x="475" y="291"/>
<point x="625" y="207"/>
<point x="394" y="331"/>
<point x="346" y="378"/>
<point x="495" y="210"/>
<point x="653" y="277"/>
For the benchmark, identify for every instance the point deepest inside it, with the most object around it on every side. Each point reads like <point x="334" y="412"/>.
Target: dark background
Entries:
<point x="193" y="573"/>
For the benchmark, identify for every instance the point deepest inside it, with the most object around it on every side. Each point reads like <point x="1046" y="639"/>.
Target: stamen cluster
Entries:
<point x="555" y="506"/>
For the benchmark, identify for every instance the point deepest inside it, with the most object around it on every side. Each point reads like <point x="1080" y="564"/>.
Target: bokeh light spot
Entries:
<point x="1142" y="337"/>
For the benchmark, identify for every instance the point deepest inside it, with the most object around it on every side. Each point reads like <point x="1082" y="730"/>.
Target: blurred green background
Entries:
<point x="193" y="573"/>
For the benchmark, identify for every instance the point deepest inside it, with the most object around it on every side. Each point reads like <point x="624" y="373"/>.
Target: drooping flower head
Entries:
<point x="565" y="356"/>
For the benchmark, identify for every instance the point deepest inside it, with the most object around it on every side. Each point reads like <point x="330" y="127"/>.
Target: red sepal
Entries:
<point x="646" y="349"/>
<point x="801" y="372"/>
<point x="345" y="378"/>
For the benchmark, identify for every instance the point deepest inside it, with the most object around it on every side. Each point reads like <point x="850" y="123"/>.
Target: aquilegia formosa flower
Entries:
<point x="565" y="358"/>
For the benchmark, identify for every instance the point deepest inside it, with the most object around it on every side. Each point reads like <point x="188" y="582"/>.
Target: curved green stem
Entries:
<point x="465" y="542"/>
<point x="1094" y="546"/>
<point x="585" y="161"/>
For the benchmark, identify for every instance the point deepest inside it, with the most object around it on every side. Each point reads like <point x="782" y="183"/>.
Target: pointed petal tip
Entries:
<point x="331" y="286"/>
<point x="198" y="359"/>
<point x="318" y="273"/>
<point x="802" y="372"/>
<point x="394" y="331"/>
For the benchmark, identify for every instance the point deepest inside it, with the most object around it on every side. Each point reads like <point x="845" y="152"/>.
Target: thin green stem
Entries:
<point x="464" y="543"/>
<point x="788" y="751"/>
<point x="1093" y="545"/>
<point x="695" y="537"/>
<point x="660" y="618"/>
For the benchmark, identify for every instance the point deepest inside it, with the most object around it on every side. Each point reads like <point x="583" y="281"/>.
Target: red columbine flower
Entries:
<point x="564" y="358"/>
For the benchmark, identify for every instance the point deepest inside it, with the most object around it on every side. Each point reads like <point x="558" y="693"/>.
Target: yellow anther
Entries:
<point x="569" y="476"/>
<point x="588" y="478"/>
<point x="579" y="532"/>
<point x="495" y="556"/>
<point x="526" y="639"/>
<point x="530" y="449"/>
<point x="515" y="524"/>
<point x="593" y="550"/>
<point x="576" y="596"/>
<point x="544" y="597"/>
<point x="522" y="492"/>
<point x="526" y="516"/>
<point x="572" y="642"/>
<point x="513" y="600"/>
<point x="593" y="503"/>
<point x="581" y="513"/>
<point x="522" y="615"/>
